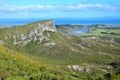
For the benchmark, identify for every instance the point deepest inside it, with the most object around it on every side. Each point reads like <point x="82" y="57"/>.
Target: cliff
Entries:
<point x="23" y="35"/>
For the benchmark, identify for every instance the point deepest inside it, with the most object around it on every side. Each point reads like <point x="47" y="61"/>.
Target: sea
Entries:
<point x="20" y="21"/>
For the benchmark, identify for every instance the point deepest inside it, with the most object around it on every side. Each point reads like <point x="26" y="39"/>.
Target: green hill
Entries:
<point x="14" y="66"/>
<point x="71" y="56"/>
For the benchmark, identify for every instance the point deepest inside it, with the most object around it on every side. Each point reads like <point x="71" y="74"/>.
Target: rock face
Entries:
<point x="80" y="68"/>
<point x="1" y="42"/>
<point x="35" y="35"/>
<point x="89" y="68"/>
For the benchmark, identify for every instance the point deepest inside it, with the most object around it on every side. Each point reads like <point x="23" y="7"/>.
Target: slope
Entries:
<point x="14" y="66"/>
<point x="42" y="41"/>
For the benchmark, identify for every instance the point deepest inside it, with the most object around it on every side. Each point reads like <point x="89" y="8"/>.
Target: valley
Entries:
<point x="44" y="51"/>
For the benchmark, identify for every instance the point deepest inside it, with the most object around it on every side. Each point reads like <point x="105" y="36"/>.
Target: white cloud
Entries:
<point x="37" y="8"/>
<point x="84" y="6"/>
<point x="93" y="7"/>
<point x="31" y="8"/>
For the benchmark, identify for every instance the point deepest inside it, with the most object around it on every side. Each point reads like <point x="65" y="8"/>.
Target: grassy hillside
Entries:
<point x="14" y="66"/>
<point x="113" y="33"/>
<point x="66" y="49"/>
<point x="86" y="58"/>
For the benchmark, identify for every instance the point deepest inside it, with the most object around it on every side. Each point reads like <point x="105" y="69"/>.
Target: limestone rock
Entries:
<point x="1" y="42"/>
<point x="49" y="44"/>
<point x="36" y="34"/>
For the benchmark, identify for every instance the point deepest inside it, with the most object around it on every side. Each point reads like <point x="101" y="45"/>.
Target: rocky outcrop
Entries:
<point x="49" y="44"/>
<point x="80" y="68"/>
<point x="35" y="35"/>
<point x="89" y="68"/>
<point x="1" y="42"/>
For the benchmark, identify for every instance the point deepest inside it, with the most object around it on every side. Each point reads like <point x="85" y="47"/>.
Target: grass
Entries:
<point x="13" y="65"/>
<point x="34" y="59"/>
<point x="114" y="30"/>
<point x="61" y="54"/>
<point x="65" y="53"/>
<point x="97" y="32"/>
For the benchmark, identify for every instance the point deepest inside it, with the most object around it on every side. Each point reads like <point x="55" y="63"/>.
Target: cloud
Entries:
<point x="93" y="7"/>
<point x="29" y="8"/>
<point x="78" y="7"/>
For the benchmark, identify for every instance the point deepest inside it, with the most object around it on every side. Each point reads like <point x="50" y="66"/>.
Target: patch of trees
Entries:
<point x="116" y="66"/>
<point x="104" y="32"/>
<point x="117" y="40"/>
<point x="112" y="33"/>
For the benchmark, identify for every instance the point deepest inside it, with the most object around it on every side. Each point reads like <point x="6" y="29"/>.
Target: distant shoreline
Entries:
<point x="61" y="21"/>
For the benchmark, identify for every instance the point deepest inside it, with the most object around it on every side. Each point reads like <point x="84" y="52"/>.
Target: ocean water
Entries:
<point x="12" y="22"/>
<point x="87" y="21"/>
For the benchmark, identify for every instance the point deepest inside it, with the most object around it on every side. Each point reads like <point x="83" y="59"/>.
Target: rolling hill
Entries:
<point x="27" y="47"/>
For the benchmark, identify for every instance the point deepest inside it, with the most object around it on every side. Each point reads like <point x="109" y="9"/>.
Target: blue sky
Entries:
<point x="59" y="8"/>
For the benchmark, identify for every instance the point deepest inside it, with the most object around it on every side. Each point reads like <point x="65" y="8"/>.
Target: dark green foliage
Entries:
<point x="108" y="76"/>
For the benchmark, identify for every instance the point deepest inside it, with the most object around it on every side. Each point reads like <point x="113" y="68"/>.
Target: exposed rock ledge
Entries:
<point x="37" y="34"/>
<point x="1" y="42"/>
<point x="89" y="68"/>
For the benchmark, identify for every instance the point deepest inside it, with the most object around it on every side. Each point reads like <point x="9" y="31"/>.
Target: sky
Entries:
<point x="59" y="8"/>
